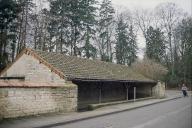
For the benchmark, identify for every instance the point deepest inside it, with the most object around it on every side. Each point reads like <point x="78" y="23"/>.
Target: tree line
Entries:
<point x="96" y="30"/>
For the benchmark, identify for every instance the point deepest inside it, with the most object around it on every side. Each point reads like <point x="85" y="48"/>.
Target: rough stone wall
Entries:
<point x="17" y="102"/>
<point x="30" y="68"/>
<point x="158" y="90"/>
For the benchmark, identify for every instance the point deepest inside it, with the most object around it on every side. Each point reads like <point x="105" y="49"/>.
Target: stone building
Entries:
<point x="51" y="82"/>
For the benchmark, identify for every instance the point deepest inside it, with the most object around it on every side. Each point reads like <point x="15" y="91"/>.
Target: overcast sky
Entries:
<point x="186" y="5"/>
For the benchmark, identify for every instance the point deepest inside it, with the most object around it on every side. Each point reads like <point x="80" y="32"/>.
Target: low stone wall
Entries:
<point x="25" y="101"/>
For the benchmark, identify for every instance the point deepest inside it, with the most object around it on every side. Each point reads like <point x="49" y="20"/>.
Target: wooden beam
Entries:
<point x="100" y="93"/>
<point x="127" y="87"/>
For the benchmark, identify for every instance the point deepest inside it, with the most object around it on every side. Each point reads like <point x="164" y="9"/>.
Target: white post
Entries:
<point x="127" y="92"/>
<point x="134" y="93"/>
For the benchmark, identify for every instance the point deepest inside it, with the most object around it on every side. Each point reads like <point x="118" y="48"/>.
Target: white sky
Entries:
<point x="186" y="5"/>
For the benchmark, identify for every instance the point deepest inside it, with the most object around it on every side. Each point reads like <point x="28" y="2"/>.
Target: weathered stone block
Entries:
<point x="158" y="90"/>
<point x="16" y="102"/>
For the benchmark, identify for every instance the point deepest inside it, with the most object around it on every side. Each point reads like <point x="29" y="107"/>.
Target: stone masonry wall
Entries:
<point x="17" y="102"/>
<point x="30" y="68"/>
<point x="158" y="90"/>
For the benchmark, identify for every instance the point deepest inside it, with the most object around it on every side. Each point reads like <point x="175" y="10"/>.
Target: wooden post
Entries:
<point x="127" y="92"/>
<point x="134" y="93"/>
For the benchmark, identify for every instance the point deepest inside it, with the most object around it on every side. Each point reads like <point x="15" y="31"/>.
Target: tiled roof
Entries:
<point x="79" y="68"/>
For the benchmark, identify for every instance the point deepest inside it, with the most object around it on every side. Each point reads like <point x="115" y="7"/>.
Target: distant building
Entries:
<point x="51" y="82"/>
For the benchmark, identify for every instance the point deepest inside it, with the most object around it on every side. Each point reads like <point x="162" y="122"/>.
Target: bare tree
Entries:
<point x="41" y="38"/>
<point x="150" y="69"/>
<point x="24" y="23"/>
<point x="143" y="19"/>
<point x="169" y="15"/>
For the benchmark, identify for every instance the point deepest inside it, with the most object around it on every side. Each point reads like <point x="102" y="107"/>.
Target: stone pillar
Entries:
<point x="158" y="91"/>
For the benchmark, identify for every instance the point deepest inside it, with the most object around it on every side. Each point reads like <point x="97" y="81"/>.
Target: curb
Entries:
<point x="96" y="106"/>
<point x="104" y="114"/>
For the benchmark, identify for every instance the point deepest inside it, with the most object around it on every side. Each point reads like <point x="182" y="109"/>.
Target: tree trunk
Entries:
<point x="25" y="28"/>
<point x="171" y="50"/>
<point x="20" y="31"/>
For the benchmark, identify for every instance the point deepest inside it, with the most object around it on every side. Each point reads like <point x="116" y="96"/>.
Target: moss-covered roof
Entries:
<point x="79" y="68"/>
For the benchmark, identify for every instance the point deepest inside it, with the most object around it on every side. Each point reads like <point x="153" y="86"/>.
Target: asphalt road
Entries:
<point x="170" y="114"/>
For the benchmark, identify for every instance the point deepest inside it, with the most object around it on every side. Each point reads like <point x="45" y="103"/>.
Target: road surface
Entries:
<point x="170" y="114"/>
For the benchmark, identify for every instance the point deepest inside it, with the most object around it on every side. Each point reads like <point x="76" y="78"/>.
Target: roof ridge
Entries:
<point x="52" y="67"/>
<point x="79" y="58"/>
<point x="10" y="64"/>
<point x="83" y="67"/>
<point x="71" y="67"/>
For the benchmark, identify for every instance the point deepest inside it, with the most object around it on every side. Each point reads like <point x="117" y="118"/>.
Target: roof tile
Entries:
<point x="74" y="67"/>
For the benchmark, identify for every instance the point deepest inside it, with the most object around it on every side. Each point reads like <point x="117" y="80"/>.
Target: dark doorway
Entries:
<point x="90" y="92"/>
<point x="94" y="92"/>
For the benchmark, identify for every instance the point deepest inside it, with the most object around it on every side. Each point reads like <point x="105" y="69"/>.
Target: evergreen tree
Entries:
<point x="133" y="46"/>
<point x="72" y="18"/>
<point x="89" y="22"/>
<point x="155" y="44"/>
<point x="121" y="41"/>
<point x="8" y="13"/>
<point x="59" y="27"/>
<point x="183" y="35"/>
<point x="125" y="43"/>
<point x="105" y="29"/>
<point x="89" y="49"/>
